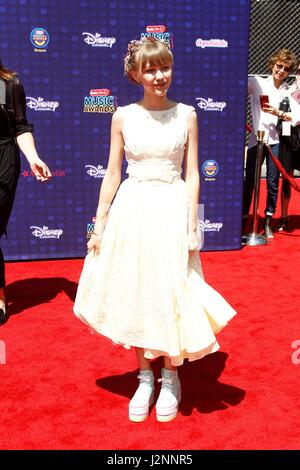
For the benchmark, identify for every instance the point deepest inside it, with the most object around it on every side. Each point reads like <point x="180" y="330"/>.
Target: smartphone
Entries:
<point x="264" y="99"/>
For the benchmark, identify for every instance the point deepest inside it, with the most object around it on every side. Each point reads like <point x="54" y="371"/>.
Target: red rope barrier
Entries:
<point x="279" y="166"/>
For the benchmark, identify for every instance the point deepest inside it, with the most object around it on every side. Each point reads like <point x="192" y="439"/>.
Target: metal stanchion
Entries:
<point x="253" y="238"/>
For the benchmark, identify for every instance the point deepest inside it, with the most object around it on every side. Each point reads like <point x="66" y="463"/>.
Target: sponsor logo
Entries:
<point x="38" y="104"/>
<point x="100" y="100"/>
<point x="159" y="32"/>
<point x="211" y="43"/>
<point x="40" y="38"/>
<point x="45" y="232"/>
<point x="95" y="171"/>
<point x="96" y="40"/>
<point x="208" y="226"/>
<point x="210" y="169"/>
<point x="208" y="104"/>
<point x="61" y="173"/>
<point x="90" y="227"/>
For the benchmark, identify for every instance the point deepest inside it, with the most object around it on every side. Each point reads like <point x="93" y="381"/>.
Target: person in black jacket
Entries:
<point x="15" y="134"/>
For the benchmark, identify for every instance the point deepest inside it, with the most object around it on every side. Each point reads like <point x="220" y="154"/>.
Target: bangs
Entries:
<point x="153" y="54"/>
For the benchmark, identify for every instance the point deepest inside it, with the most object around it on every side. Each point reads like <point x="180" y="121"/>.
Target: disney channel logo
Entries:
<point x="39" y="38"/>
<point x="100" y="100"/>
<point x="208" y="104"/>
<point x="95" y="171"/>
<point x="45" y="232"/>
<point x="208" y="226"/>
<point x="211" y="43"/>
<point x="210" y="169"/>
<point x="96" y="40"/>
<point x="159" y="32"/>
<point x="38" y="104"/>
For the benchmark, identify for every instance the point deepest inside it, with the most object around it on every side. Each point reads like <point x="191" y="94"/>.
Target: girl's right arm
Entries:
<point x="111" y="180"/>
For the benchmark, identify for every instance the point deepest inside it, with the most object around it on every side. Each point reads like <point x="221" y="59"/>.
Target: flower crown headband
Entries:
<point x="136" y="44"/>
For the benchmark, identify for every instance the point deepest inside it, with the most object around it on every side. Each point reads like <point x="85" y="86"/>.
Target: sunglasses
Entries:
<point x="282" y="67"/>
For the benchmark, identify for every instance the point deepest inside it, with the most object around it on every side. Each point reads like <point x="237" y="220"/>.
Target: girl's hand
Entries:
<point x="94" y="244"/>
<point x="193" y="242"/>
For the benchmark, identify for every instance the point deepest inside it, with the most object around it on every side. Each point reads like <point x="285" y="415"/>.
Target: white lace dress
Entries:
<point x="144" y="289"/>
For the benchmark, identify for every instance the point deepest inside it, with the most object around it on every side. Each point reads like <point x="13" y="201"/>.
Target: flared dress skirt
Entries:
<point x="145" y="289"/>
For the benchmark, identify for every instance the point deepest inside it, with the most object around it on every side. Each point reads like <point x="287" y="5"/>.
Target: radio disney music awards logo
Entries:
<point x="40" y="38"/>
<point x="38" y="104"/>
<point x="95" y="171"/>
<point x="96" y="40"/>
<point x="159" y="32"/>
<point x="46" y="232"/>
<point x="211" y="43"/>
<point x="100" y="100"/>
<point x="208" y="104"/>
<point x="90" y="227"/>
<point x="210" y="169"/>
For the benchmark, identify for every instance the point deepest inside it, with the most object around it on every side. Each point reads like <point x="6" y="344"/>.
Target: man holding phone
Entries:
<point x="266" y="94"/>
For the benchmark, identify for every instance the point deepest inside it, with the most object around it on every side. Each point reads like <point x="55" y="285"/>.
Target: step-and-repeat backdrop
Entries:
<point x="69" y="56"/>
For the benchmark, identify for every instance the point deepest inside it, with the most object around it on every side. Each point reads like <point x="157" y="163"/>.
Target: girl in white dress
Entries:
<point x="142" y="284"/>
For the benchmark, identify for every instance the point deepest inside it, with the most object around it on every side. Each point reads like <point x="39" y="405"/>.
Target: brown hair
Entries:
<point x="5" y="73"/>
<point x="150" y="51"/>
<point x="283" y="55"/>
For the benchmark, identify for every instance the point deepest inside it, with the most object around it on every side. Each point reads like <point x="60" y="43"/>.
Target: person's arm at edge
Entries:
<point x="192" y="177"/>
<point x="27" y="146"/>
<point x="111" y="180"/>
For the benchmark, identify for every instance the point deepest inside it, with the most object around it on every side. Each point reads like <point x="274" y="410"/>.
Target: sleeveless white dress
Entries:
<point x="144" y="289"/>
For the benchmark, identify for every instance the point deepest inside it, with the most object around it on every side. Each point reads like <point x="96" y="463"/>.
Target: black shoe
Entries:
<point x="283" y="224"/>
<point x="2" y="316"/>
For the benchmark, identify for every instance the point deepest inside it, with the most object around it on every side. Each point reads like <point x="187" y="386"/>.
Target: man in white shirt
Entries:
<point x="265" y="117"/>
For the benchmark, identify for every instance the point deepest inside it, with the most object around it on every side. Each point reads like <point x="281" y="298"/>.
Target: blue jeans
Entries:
<point x="272" y="180"/>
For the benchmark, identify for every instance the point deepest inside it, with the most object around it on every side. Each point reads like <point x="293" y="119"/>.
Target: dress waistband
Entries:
<point x="153" y="173"/>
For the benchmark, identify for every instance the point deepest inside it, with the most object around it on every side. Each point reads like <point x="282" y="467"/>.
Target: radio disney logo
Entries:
<point x="45" y="232"/>
<point x="211" y="43"/>
<point x="40" y="105"/>
<point x="208" y="226"/>
<point x="96" y="40"/>
<point x="210" y="169"/>
<point x="39" y="38"/>
<point x="95" y="171"/>
<point x="210" y="105"/>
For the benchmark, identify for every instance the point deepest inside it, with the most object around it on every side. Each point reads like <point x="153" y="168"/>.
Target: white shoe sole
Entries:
<point x="165" y="418"/>
<point x="137" y="415"/>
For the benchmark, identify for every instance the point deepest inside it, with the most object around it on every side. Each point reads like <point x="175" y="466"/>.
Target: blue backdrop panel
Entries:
<point x="69" y="55"/>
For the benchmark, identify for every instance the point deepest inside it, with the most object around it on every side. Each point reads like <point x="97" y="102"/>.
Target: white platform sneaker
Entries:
<point x="143" y="398"/>
<point x="169" y="397"/>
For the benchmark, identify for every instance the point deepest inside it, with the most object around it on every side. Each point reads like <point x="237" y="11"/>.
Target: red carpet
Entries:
<point x="64" y="388"/>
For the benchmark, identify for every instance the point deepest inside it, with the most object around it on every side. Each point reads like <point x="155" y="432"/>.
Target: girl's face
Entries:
<point x="156" y="79"/>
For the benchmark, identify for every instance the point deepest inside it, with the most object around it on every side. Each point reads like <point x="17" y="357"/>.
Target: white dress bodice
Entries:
<point x="155" y="141"/>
